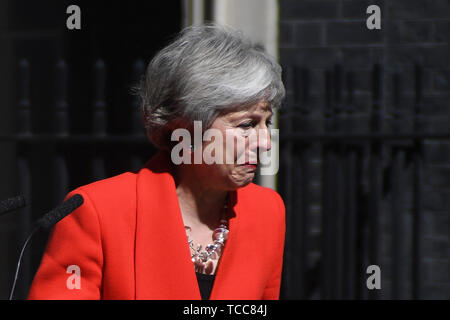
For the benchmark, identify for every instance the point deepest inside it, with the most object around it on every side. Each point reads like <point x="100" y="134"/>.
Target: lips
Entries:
<point x="251" y="162"/>
<point x="250" y="165"/>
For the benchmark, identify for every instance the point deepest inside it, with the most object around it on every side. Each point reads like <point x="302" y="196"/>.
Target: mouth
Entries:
<point x="249" y="165"/>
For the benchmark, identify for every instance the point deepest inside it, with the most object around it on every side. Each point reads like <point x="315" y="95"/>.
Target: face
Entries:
<point x="244" y="134"/>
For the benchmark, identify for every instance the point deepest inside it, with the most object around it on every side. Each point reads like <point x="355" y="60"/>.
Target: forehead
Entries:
<point x="262" y="108"/>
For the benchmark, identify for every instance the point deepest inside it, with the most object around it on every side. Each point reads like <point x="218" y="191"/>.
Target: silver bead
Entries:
<point x="219" y="250"/>
<point x="220" y="235"/>
<point x="203" y="256"/>
<point x="213" y="255"/>
<point x="220" y="229"/>
<point x="217" y="236"/>
<point x="220" y="241"/>
<point x="198" y="260"/>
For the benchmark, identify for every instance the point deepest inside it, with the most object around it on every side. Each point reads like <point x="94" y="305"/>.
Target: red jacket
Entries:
<point x="129" y="242"/>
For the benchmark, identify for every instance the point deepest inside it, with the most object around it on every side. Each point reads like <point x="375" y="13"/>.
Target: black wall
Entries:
<point x="117" y="32"/>
<point x="317" y="35"/>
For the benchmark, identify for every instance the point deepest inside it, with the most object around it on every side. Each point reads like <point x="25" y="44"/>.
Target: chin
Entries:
<point x="241" y="183"/>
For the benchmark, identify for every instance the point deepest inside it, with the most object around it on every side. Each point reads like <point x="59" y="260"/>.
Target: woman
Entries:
<point x="187" y="229"/>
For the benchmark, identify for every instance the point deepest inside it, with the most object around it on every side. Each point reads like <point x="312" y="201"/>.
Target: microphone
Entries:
<point x="46" y="222"/>
<point x="12" y="204"/>
<point x="53" y="217"/>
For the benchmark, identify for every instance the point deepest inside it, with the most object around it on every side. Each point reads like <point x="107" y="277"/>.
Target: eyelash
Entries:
<point x="252" y="124"/>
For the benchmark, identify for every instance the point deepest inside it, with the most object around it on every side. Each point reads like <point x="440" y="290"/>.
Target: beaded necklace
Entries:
<point x="203" y="259"/>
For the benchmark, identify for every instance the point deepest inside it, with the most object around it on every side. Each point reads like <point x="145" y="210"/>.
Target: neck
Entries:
<point x="199" y="203"/>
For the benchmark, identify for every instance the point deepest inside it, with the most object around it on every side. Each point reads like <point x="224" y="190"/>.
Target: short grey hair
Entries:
<point x="205" y="71"/>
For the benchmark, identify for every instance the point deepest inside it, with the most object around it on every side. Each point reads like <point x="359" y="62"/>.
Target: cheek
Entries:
<point x="236" y="147"/>
<point x="240" y="176"/>
<point x="227" y="176"/>
<point x="232" y="143"/>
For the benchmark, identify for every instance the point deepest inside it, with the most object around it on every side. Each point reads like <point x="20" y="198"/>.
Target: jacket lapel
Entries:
<point x="162" y="258"/>
<point x="163" y="266"/>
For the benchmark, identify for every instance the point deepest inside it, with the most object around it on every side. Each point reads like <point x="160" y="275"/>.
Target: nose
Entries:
<point x="264" y="140"/>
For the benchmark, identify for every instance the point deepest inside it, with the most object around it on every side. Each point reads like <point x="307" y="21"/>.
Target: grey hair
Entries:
<point x="205" y="71"/>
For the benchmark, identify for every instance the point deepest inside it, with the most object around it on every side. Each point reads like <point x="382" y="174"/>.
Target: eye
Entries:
<point x="246" y="125"/>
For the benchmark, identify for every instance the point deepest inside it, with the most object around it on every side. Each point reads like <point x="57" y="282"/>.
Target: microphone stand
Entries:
<point x="46" y="222"/>
<point x="20" y="259"/>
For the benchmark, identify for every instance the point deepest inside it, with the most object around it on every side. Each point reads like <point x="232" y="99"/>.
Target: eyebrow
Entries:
<point x="253" y="115"/>
<point x="247" y="113"/>
<point x="267" y="107"/>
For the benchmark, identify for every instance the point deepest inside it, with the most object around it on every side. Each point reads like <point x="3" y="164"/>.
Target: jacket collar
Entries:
<point x="163" y="268"/>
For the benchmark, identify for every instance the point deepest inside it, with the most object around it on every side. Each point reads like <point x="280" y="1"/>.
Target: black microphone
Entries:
<point x="12" y="204"/>
<point x="47" y="222"/>
<point x="53" y="217"/>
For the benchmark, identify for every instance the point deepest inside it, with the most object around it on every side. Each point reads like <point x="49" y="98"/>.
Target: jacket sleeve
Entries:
<point x="272" y="290"/>
<point x="71" y="267"/>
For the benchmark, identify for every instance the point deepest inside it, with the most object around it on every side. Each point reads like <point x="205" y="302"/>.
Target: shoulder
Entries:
<point x="116" y="184"/>
<point x="267" y="202"/>
<point x="112" y="189"/>
<point x="262" y="195"/>
<point x="263" y="215"/>
<point x="110" y="197"/>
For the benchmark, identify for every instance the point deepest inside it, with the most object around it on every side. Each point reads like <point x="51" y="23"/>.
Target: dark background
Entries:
<point x="118" y="32"/>
<point x="317" y="36"/>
